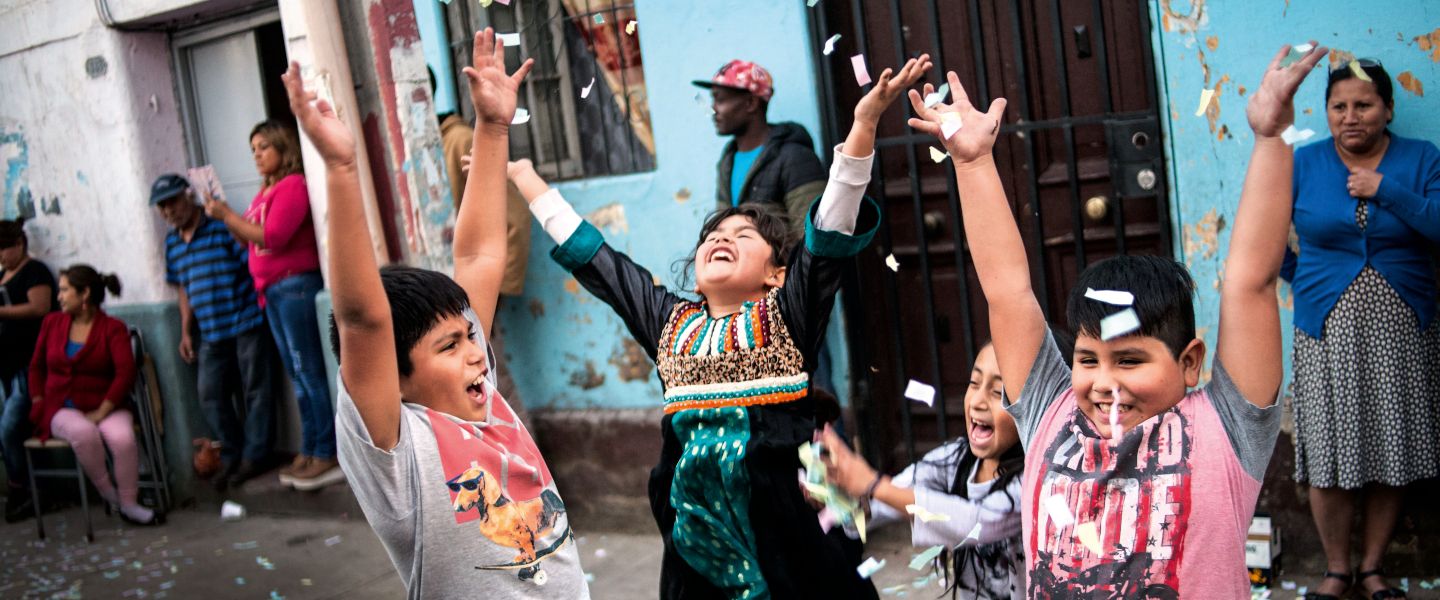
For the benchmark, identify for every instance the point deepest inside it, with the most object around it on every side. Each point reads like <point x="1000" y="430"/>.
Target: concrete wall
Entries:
<point x="576" y="353"/>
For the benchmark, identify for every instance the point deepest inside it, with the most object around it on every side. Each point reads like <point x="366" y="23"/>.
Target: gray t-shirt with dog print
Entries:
<point x="465" y="509"/>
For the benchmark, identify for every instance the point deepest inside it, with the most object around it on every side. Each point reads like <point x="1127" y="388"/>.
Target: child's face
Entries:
<point x="1149" y="378"/>
<point x="990" y="430"/>
<point x="735" y="260"/>
<point x="449" y="373"/>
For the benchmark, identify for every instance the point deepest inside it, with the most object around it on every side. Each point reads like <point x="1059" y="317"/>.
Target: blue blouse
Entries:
<point x="1401" y="231"/>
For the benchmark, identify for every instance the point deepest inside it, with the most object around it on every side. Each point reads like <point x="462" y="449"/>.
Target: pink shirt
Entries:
<point x="289" y="248"/>
<point x="1168" y="505"/>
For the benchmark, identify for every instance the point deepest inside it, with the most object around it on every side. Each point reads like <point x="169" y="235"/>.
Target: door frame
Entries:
<point x="181" y="42"/>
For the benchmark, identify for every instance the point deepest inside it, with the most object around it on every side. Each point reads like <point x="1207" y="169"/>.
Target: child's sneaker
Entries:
<point x="287" y="474"/>
<point x="318" y="474"/>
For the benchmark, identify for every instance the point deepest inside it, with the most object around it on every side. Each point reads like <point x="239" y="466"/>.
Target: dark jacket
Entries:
<point x="787" y="175"/>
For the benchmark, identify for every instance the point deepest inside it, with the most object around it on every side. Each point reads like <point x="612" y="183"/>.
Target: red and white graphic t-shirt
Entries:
<point x="1160" y="513"/>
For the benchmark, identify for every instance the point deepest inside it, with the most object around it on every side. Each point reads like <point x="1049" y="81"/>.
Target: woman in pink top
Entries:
<point x="285" y="264"/>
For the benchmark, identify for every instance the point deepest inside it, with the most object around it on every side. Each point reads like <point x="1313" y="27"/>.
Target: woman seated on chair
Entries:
<point x="80" y="377"/>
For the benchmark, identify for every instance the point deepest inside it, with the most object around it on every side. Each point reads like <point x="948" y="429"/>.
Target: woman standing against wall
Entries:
<point x="1367" y="347"/>
<point x="27" y="294"/>
<point x="285" y="264"/>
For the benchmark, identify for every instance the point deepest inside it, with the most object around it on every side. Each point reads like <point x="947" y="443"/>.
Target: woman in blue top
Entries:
<point x="1367" y="348"/>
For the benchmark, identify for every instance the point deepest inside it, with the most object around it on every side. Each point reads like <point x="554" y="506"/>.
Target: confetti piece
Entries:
<point x="508" y="39"/>
<point x="585" y="91"/>
<point x="275" y="595"/>
<point x="112" y="574"/>
<point x="1059" y="511"/>
<point x="937" y="96"/>
<point x="937" y="156"/>
<point x="869" y="567"/>
<point x="630" y="28"/>
<point x="925" y="515"/>
<point x="919" y="561"/>
<point x="1359" y="72"/>
<point x="505" y="2"/>
<point x="949" y="124"/>
<point x="1287" y="585"/>
<point x="239" y="581"/>
<point x="862" y="75"/>
<point x="1087" y="535"/>
<point x="921" y="582"/>
<point x="332" y="540"/>
<point x="1206" y="95"/>
<point x="892" y="263"/>
<point x="1116" y="297"/>
<point x="522" y="117"/>
<point x="589" y="578"/>
<point x="811" y="3"/>
<point x="830" y="44"/>
<point x="265" y="563"/>
<point x="245" y="545"/>
<point x="599" y="19"/>
<point x="486" y="3"/>
<point x="165" y="585"/>
<point x="307" y="582"/>
<point x="894" y="590"/>
<point x="920" y="392"/>
<point x="1119" y="324"/>
<point x="974" y="533"/>
<point x="600" y="553"/>
<point x="1294" y="136"/>
<point x="231" y="511"/>
<point x="1297" y="52"/>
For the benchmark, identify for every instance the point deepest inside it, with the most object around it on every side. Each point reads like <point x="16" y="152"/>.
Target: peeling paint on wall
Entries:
<point x="588" y="379"/>
<point x="1193" y="20"/>
<point x="1202" y="238"/>
<point x="682" y="195"/>
<point x="610" y="218"/>
<point x="15" y="153"/>
<point x="630" y="361"/>
<point x="1430" y="42"/>
<point x="1410" y="83"/>
<point x="537" y="308"/>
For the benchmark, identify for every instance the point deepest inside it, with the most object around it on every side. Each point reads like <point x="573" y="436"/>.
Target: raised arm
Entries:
<point x="480" y="226"/>
<point x="1248" y="343"/>
<point x="362" y="312"/>
<point x="1016" y="322"/>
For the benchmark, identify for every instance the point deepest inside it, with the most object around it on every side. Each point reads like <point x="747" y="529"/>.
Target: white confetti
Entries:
<point x="630" y="28"/>
<point x="1119" y="324"/>
<point x="892" y="263"/>
<point x="508" y="39"/>
<point x="869" y="567"/>
<point x="1116" y="297"/>
<point x="231" y="511"/>
<point x="1059" y="511"/>
<point x="585" y="91"/>
<point x="949" y="124"/>
<point x="924" y="558"/>
<point x="1293" y="136"/>
<point x="937" y="156"/>
<point x="830" y="44"/>
<point x="1088" y="536"/>
<point x="1359" y="72"/>
<point x="938" y="96"/>
<point x="862" y="74"/>
<point x="1297" y="52"/>
<point x="920" y="392"/>
<point x="974" y="533"/>
<point x="522" y="117"/>
<point x="925" y="515"/>
<point x="1206" y="95"/>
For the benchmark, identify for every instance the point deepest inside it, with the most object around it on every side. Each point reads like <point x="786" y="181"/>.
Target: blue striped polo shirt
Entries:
<point x="214" y="271"/>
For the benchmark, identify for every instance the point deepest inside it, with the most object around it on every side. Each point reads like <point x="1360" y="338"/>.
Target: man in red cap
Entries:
<point x="768" y="163"/>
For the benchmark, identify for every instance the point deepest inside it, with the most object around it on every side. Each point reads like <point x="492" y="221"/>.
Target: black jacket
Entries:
<point x="787" y="175"/>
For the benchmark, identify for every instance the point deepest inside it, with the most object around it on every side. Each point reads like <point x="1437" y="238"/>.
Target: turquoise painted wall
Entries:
<point x="567" y="349"/>
<point x="1228" y="44"/>
<point x="431" y="19"/>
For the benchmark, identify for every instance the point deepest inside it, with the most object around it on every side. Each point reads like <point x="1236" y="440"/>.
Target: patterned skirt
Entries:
<point x="1367" y="396"/>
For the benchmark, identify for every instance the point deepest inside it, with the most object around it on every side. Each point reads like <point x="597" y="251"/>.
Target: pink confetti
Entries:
<point x="862" y="75"/>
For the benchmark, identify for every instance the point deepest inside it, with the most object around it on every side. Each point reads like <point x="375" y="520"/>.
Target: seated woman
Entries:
<point x="80" y="379"/>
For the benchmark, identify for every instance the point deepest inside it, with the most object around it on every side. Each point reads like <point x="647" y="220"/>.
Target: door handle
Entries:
<point x="1097" y="207"/>
<point x="934" y="223"/>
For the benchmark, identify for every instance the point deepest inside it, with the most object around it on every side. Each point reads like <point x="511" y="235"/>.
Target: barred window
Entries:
<point x="589" y="112"/>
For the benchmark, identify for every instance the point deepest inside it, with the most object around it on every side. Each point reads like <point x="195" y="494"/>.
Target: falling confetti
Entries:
<point x="919" y="561"/>
<point x="830" y="44"/>
<point x="1059" y="511"/>
<point x="585" y="91"/>
<point x="508" y="39"/>
<point x="630" y="28"/>
<point x="1087" y="535"/>
<point x="599" y="19"/>
<point x="1297" y="52"/>
<point x="1206" y="95"/>
<point x="522" y="117"/>
<point x="1116" y="297"/>
<point x="1294" y="136"/>
<point x="1359" y="72"/>
<point x="872" y="566"/>
<point x="974" y="533"/>
<point x="949" y="124"/>
<point x="937" y="156"/>
<point x="937" y="96"/>
<point x="921" y="513"/>
<point x="920" y="392"/>
<point x="1119" y="324"/>
<point x="892" y="263"/>
<point x="862" y="75"/>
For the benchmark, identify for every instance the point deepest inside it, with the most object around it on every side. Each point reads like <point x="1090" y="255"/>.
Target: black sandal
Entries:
<point x="1390" y="592"/>
<point x="1346" y="578"/>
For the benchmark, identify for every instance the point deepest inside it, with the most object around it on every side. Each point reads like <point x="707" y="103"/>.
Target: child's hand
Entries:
<point x="887" y="89"/>
<point x="843" y="468"/>
<point x="317" y="119"/>
<point x="492" y="91"/>
<point x="1272" y="108"/>
<point x="976" y="136"/>
<point x="516" y="168"/>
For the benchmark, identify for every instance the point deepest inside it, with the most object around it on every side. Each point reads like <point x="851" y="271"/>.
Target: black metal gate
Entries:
<point x="1079" y="157"/>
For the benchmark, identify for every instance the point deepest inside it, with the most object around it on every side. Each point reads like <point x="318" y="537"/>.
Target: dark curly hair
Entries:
<point x="771" y="225"/>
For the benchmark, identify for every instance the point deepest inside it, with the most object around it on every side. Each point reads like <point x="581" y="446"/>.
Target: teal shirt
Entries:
<point x="743" y="161"/>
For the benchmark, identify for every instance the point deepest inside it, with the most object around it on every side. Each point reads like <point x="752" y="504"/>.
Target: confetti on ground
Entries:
<point x="508" y="39"/>
<point x="869" y="567"/>
<point x="1293" y="136"/>
<point x="1206" y="95"/>
<point x="630" y="28"/>
<point x="1297" y="52"/>
<point x="1088" y="536"/>
<point x="1119" y="324"/>
<point x="1359" y="72"/>
<point x="847" y="511"/>
<point x="892" y="263"/>
<point x="585" y="91"/>
<point x="331" y="541"/>
<point x="925" y="515"/>
<point x="307" y="582"/>
<point x="937" y="156"/>
<point x="239" y="581"/>
<point x="165" y="585"/>
<point x="937" y="96"/>
<point x="265" y="563"/>
<point x="600" y="553"/>
<point x="1059" y="511"/>
<point x="112" y="574"/>
<point x="830" y="44"/>
<point x="522" y="117"/>
<point x="920" y="392"/>
<point x="275" y="595"/>
<point x="231" y="511"/>
<point x="1116" y="297"/>
<point x="949" y="124"/>
<point x="1287" y="585"/>
<point x="862" y="75"/>
<point x="920" y="560"/>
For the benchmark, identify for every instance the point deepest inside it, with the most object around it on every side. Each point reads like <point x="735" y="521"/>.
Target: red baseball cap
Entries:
<point x="742" y="75"/>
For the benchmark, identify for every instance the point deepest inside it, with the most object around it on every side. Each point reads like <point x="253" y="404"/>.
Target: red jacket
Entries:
<point x="103" y="370"/>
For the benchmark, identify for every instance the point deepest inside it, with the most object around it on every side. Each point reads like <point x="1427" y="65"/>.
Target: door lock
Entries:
<point x="1146" y="179"/>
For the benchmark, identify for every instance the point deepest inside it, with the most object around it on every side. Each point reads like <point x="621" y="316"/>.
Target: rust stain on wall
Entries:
<point x="1212" y="42"/>
<point x="1224" y="133"/>
<point x="1430" y="42"/>
<point x="1340" y="57"/>
<point x="1411" y="84"/>
<point x="1174" y="21"/>
<point x="537" y="308"/>
<point x="588" y="379"/>
<point x="1240" y="90"/>
<point x="631" y="362"/>
<point x="1203" y="237"/>
<point x="682" y="195"/>
<point x="572" y="286"/>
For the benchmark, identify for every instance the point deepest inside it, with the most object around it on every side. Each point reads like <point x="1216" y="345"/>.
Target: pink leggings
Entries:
<point x="116" y="432"/>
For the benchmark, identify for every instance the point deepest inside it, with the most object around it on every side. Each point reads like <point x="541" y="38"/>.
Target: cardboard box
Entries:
<point x="1262" y="551"/>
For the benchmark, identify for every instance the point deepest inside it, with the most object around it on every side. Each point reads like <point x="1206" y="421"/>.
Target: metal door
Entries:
<point x="1079" y="156"/>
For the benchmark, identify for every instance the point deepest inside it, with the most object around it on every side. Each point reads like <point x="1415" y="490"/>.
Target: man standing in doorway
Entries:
<point x="208" y="268"/>
<point x="766" y="163"/>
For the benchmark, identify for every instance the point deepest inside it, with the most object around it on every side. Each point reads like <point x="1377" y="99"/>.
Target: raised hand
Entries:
<point x="1272" y="108"/>
<point x="491" y="90"/>
<point x="889" y="87"/>
<point x="331" y="137"/>
<point x="976" y="136"/>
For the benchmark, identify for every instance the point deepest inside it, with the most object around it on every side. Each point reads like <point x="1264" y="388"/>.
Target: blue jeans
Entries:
<point x="240" y="364"/>
<point x="290" y="308"/>
<point x="15" y="426"/>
